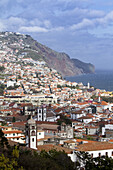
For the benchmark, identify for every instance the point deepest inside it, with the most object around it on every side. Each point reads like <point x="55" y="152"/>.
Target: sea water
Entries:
<point x="101" y="79"/>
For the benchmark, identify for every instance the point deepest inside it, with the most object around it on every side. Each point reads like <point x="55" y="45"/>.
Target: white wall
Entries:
<point x="103" y="153"/>
<point x="40" y="134"/>
<point x="108" y="126"/>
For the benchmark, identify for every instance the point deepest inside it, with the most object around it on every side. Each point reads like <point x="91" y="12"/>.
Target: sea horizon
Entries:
<point x="101" y="79"/>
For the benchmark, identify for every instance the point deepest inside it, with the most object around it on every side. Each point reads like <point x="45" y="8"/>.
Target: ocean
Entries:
<point x="101" y="79"/>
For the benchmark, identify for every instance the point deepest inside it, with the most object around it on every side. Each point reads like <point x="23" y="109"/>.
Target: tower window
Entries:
<point x="40" y="110"/>
<point x="33" y="127"/>
<point x="33" y="133"/>
<point x="32" y="139"/>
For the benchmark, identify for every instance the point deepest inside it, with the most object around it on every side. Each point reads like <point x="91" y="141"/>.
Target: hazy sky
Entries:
<point x="81" y="28"/>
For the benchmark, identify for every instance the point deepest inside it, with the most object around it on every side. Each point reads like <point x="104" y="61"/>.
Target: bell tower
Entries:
<point x="31" y="134"/>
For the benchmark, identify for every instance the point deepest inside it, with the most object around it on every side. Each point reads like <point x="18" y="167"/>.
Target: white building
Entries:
<point x="11" y="83"/>
<point x="97" y="149"/>
<point x="13" y="134"/>
<point x="107" y="126"/>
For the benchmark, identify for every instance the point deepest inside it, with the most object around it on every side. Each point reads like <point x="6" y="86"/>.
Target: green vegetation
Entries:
<point x="16" y="157"/>
<point x="71" y="87"/>
<point x="98" y="163"/>
<point x="13" y="119"/>
<point x="21" y="158"/>
<point x="2" y="87"/>
<point x="2" y="68"/>
<point x="64" y="119"/>
<point x="30" y="54"/>
<point x="108" y="99"/>
<point x="59" y="86"/>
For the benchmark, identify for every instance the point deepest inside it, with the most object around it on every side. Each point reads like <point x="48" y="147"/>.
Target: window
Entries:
<point x="40" y="110"/>
<point x="5" y="134"/>
<point x="33" y="127"/>
<point x="33" y="133"/>
<point x="32" y="139"/>
<point x="39" y="133"/>
<point x="17" y="138"/>
<point x="13" y="134"/>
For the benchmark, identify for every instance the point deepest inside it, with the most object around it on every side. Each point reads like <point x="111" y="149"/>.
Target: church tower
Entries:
<point x="41" y="113"/>
<point x="31" y="134"/>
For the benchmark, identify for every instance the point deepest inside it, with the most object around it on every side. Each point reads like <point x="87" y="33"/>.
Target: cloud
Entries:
<point x="2" y="26"/>
<point x="32" y="29"/>
<point x="86" y="23"/>
<point x="39" y="29"/>
<point x="93" y="23"/>
<point x="16" y="21"/>
<point x="80" y="12"/>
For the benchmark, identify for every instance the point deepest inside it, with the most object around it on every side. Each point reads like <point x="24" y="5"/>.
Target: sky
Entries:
<point x="81" y="28"/>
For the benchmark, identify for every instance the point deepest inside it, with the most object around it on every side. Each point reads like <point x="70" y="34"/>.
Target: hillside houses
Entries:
<point x="63" y="111"/>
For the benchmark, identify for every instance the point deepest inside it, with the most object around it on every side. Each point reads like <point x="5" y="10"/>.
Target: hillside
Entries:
<point x="32" y="49"/>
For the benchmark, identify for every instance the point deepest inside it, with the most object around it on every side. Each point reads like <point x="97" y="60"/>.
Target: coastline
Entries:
<point x="101" y="79"/>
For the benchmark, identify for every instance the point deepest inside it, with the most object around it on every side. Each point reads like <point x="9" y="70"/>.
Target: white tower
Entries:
<point x="99" y="100"/>
<point x="88" y="85"/>
<point x="31" y="134"/>
<point x="41" y="113"/>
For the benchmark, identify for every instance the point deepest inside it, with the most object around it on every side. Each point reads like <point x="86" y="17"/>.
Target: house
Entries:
<point x="91" y="109"/>
<point x="86" y="119"/>
<point x="75" y="115"/>
<point x="13" y="134"/>
<point x="107" y="130"/>
<point x="92" y="130"/>
<point x="51" y="117"/>
<point x="97" y="149"/>
<point x="66" y="131"/>
<point x="72" y="144"/>
<point x="26" y="108"/>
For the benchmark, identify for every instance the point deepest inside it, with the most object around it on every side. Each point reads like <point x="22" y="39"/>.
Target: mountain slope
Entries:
<point x="59" y="61"/>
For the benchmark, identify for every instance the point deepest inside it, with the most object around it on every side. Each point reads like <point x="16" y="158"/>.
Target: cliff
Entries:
<point x="59" y="61"/>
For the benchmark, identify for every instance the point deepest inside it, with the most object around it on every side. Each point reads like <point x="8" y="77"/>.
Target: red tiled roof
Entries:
<point x="50" y="147"/>
<point x="95" y="146"/>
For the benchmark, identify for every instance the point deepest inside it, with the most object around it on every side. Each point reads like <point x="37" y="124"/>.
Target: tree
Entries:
<point x="5" y="163"/>
<point x="2" y="68"/>
<point x="64" y="119"/>
<point x="84" y="160"/>
<point x="13" y="119"/>
<point x="3" y="140"/>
